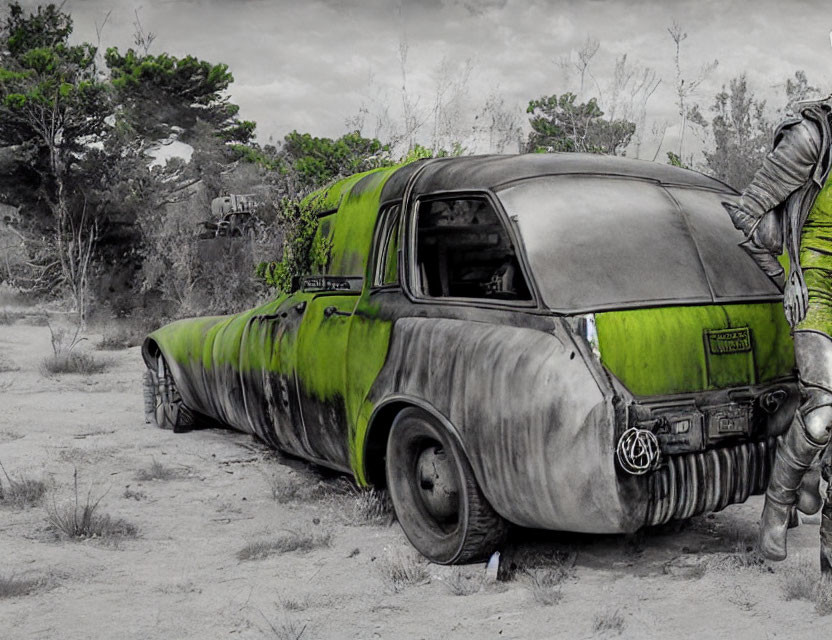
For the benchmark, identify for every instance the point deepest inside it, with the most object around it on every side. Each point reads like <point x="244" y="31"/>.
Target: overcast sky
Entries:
<point x="312" y="65"/>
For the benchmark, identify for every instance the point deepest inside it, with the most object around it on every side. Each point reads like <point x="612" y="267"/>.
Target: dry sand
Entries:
<point x="181" y="578"/>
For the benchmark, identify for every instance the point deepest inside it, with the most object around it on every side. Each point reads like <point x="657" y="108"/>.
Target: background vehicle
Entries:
<point x="559" y="341"/>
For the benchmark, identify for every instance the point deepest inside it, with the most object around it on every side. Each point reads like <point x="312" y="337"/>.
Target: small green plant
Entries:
<point x="302" y="541"/>
<point x="13" y="587"/>
<point x="304" y="249"/>
<point x="21" y="492"/>
<point x="402" y="569"/>
<point x="78" y="520"/>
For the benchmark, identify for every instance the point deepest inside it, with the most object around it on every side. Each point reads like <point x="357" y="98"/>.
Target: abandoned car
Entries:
<point x="558" y="341"/>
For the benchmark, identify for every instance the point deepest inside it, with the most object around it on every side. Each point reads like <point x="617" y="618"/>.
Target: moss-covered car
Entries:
<point x="559" y="341"/>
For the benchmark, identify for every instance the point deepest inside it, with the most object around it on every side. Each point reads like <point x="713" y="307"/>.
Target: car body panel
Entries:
<point x="536" y="412"/>
<point x="665" y="350"/>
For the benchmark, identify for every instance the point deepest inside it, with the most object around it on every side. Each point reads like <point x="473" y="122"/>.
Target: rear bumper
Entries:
<point x="705" y="481"/>
<point x="709" y="466"/>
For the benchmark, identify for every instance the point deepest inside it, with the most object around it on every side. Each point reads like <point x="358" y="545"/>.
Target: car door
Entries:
<point x="268" y="369"/>
<point x="321" y="364"/>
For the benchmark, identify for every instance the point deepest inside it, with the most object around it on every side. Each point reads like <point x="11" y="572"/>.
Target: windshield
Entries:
<point x="600" y="242"/>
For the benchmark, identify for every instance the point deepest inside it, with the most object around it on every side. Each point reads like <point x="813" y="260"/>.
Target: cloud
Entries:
<point x="306" y="65"/>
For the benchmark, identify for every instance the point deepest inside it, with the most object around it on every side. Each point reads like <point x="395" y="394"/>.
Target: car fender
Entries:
<point x="535" y="423"/>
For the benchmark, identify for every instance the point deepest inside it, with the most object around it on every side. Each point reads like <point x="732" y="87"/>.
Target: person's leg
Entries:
<point x="798" y="448"/>
<point x="826" y="517"/>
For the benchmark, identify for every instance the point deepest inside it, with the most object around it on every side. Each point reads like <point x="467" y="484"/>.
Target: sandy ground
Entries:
<point x="180" y="578"/>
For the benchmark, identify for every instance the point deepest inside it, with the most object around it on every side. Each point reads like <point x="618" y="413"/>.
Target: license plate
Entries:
<point x="721" y="341"/>
<point x="728" y="420"/>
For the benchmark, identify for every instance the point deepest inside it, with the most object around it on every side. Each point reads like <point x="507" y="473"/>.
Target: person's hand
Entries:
<point x="795" y="299"/>
<point x="740" y="218"/>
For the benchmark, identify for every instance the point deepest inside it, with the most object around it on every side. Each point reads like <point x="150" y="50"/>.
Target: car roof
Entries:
<point x="493" y="171"/>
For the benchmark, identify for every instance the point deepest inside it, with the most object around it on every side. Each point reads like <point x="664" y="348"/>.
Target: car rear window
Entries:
<point x="600" y="242"/>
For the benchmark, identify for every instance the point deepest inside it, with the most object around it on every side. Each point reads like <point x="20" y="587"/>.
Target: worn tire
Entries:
<point x="163" y="404"/>
<point x="425" y="461"/>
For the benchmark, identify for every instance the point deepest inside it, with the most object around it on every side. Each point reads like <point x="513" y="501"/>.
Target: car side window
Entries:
<point x="464" y="251"/>
<point x="387" y="250"/>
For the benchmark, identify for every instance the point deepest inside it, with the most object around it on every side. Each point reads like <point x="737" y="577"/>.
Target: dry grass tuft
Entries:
<point x="370" y="506"/>
<point x="64" y="359"/>
<point x="464" y="583"/>
<point x="292" y="604"/>
<point x="81" y="520"/>
<point x="6" y="365"/>
<point x="8" y="317"/>
<point x="546" y="584"/>
<point x="402" y="569"/>
<point x="83" y="363"/>
<point x="804" y="582"/>
<point x="132" y="494"/>
<point x="122" y="334"/>
<point x="156" y="471"/>
<point x="292" y="490"/>
<point x="302" y="541"/>
<point x="288" y="629"/>
<point x="21" y="492"/>
<point x="610" y="621"/>
<point x="12" y="587"/>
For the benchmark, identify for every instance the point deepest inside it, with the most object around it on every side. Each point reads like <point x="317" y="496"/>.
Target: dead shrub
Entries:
<point x="20" y="492"/>
<point x="64" y="359"/>
<point x="79" y="520"/>
<point x="83" y="363"/>
<point x="303" y="541"/>
<point x="401" y="569"/>
<point x="124" y="334"/>
<point x="13" y="587"/>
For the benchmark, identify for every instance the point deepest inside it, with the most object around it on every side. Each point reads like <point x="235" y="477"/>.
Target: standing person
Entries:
<point x="789" y="203"/>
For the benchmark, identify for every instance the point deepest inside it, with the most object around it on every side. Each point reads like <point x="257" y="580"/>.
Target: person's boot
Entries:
<point x="795" y="454"/>
<point x="809" y="500"/>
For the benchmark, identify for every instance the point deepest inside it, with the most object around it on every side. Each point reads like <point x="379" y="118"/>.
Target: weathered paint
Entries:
<point x="523" y="392"/>
<point x="527" y="410"/>
<point x="663" y="351"/>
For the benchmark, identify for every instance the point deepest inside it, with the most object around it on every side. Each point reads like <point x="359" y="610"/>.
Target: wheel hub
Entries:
<point x="438" y="484"/>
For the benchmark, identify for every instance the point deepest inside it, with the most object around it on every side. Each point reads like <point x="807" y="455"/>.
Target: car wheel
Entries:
<point x="163" y="404"/>
<point x="435" y="494"/>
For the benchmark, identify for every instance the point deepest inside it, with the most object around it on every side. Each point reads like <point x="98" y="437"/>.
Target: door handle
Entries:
<point x="333" y="311"/>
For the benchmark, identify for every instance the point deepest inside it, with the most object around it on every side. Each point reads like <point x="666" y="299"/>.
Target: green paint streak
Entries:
<point x="353" y="235"/>
<point x="662" y="351"/>
<point x="332" y="357"/>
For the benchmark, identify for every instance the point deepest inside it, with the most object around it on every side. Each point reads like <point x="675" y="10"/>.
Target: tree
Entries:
<point x="52" y="103"/>
<point x="741" y="134"/>
<point x="159" y="93"/>
<point x="686" y="88"/>
<point x="318" y="161"/>
<point x="559" y="124"/>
